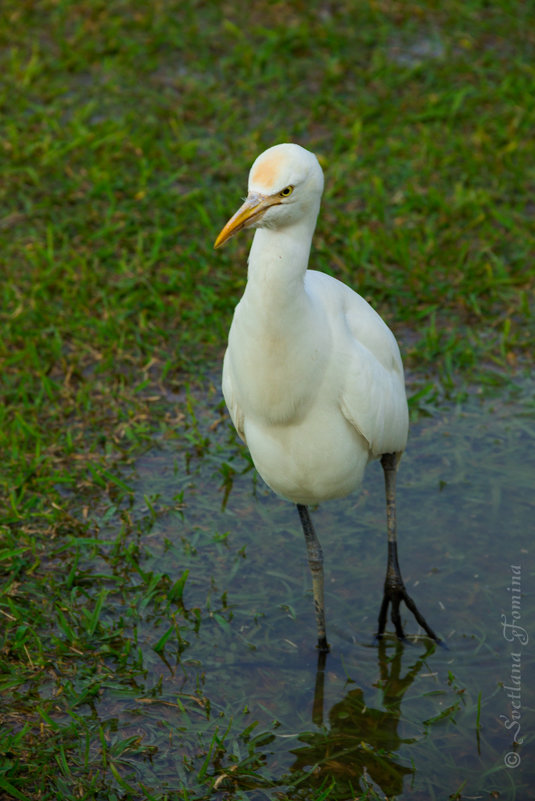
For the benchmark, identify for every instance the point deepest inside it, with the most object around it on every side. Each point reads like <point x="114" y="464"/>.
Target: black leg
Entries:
<point x="394" y="588"/>
<point x="315" y="562"/>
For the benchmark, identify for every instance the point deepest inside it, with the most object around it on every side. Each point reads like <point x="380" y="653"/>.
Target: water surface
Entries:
<point x="410" y="720"/>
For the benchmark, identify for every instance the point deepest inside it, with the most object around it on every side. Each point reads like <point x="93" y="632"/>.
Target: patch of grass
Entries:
<point x="128" y="129"/>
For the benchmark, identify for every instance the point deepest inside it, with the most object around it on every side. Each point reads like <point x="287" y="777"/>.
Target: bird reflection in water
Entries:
<point x="360" y="742"/>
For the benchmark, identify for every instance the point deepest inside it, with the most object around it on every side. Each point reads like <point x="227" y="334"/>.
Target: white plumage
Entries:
<point x="312" y="376"/>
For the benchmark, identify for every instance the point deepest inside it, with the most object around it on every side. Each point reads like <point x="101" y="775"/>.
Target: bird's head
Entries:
<point x="285" y="184"/>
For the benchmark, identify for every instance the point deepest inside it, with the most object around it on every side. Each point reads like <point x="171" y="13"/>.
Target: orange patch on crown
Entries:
<point x="266" y="171"/>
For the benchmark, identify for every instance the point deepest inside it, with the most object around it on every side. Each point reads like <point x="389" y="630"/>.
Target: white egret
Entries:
<point x="312" y="376"/>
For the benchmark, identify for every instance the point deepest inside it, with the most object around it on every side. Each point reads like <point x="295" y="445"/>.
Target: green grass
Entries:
<point x="127" y="130"/>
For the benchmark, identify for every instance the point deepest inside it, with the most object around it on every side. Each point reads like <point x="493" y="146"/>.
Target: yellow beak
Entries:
<point x="253" y="208"/>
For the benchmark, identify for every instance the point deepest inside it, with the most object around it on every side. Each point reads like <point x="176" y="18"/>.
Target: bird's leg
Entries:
<point x="394" y="589"/>
<point x="315" y="562"/>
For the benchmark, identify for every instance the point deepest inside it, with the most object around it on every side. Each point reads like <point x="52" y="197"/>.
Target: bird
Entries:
<point x="312" y="376"/>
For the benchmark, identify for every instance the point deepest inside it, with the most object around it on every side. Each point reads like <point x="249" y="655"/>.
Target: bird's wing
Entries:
<point x="235" y="411"/>
<point x="368" y="363"/>
<point x="373" y="397"/>
<point x="373" y="401"/>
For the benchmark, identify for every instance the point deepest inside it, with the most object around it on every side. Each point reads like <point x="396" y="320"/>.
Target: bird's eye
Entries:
<point x="287" y="191"/>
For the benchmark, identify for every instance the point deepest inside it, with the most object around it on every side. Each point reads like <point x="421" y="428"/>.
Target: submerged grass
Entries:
<point x="127" y="132"/>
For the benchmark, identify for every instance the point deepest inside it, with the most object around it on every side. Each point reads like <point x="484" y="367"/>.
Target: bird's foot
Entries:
<point x="394" y="594"/>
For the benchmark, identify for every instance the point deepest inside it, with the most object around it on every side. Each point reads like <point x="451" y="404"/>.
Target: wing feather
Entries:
<point x="372" y="392"/>
<point x="235" y="411"/>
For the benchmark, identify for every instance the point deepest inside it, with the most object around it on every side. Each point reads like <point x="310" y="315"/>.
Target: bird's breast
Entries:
<point x="276" y="368"/>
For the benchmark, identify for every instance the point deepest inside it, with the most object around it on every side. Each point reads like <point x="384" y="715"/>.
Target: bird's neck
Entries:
<point x="277" y="264"/>
<point x="276" y="327"/>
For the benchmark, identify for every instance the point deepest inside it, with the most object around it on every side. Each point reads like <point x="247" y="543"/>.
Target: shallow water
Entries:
<point x="413" y="721"/>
